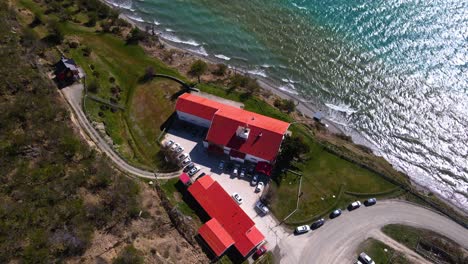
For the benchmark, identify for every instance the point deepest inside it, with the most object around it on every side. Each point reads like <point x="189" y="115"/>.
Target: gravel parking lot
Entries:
<point x="191" y="138"/>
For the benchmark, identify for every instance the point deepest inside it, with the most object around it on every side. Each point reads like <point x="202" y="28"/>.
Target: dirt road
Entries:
<point x="74" y="94"/>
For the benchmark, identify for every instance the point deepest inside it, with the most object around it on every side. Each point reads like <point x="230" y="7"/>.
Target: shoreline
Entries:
<point x="305" y="108"/>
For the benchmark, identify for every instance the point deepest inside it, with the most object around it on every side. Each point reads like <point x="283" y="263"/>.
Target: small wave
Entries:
<point x="136" y="18"/>
<point x="169" y="30"/>
<point x="200" y="51"/>
<point x="223" y="57"/>
<point x="127" y="5"/>
<point x="156" y="22"/>
<point x="286" y="80"/>
<point x="300" y="7"/>
<point x="266" y="66"/>
<point x="342" y="108"/>
<point x="175" y="39"/>
<point x="240" y="58"/>
<point x="258" y="72"/>
<point x="289" y="89"/>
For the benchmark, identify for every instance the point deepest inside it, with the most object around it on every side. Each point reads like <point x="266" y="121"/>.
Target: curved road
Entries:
<point x="338" y="240"/>
<point x="335" y="242"/>
<point x="74" y="95"/>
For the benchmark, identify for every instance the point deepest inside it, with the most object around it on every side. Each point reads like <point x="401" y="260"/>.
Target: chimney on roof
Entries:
<point x="243" y="132"/>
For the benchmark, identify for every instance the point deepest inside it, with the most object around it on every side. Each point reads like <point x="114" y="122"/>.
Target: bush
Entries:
<point x="220" y="70"/>
<point x="149" y="74"/>
<point x="93" y="86"/>
<point x="92" y="19"/>
<point x="285" y="105"/>
<point x="135" y="36"/>
<point x="129" y="255"/>
<point x="198" y="68"/>
<point x="86" y="52"/>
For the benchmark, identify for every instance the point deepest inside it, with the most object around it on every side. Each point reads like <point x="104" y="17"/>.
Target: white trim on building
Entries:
<point x="194" y="119"/>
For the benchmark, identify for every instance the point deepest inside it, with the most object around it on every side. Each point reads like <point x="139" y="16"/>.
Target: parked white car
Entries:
<point x="185" y="162"/>
<point x="174" y="146"/>
<point x="364" y="258"/>
<point x="237" y="198"/>
<point x="259" y="187"/>
<point x="179" y="150"/>
<point x="302" y="229"/>
<point x="354" y="205"/>
<point x="169" y="143"/>
<point x="235" y="171"/>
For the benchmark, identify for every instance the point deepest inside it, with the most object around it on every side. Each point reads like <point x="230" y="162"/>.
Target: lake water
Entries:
<point x="394" y="71"/>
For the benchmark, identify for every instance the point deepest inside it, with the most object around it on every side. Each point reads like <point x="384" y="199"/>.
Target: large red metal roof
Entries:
<point x="219" y="205"/>
<point x="266" y="134"/>
<point x="216" y="236"/>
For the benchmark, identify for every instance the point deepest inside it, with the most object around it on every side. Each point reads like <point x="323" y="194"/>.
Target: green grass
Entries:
<point x="376" y="250"/>
<point x="323" y="174"/>
<point x="412" y="236"/>
<point x="408" y="236"/>
<point x="175" y="197"/>
<point x="268" y="258"/>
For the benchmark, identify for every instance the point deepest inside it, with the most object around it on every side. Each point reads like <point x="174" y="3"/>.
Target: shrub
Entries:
<point x="198" y="68"/>
<point x="220" y="70"/>
<point x="93" y="86"/>
<point x="86" y="52"/>
<point x="129" y="255"/>
<point x="135" y="36"/>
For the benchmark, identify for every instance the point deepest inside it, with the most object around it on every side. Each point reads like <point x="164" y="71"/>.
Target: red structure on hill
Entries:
<point x="229" y="225"/>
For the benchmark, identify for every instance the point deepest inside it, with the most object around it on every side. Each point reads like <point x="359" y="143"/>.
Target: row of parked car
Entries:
<point x="352" y="206"/>
<point x="182" y="159"/>
<point x="241" y="172"/>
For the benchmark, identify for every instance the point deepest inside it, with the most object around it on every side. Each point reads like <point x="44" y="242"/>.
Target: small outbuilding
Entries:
<point x="67" y="72"/>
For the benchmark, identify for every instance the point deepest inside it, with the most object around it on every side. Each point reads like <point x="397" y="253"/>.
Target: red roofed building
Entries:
<point x="241" y="134"/>
<point x="229" y="225"/>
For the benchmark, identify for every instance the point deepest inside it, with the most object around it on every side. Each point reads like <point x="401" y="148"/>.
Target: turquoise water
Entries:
<point x="393" y="71"/>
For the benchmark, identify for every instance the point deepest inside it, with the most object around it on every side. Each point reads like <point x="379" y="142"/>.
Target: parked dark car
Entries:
<point x="189" y="167"/>
<point x="370" y="202"/>
<point x="199" y="176"/>
<point x="335" y="213"/>
<point x="317" y="224"/>
<point x="260" y="251"/>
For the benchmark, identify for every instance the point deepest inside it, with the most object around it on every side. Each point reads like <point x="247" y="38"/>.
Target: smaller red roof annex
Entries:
<point x="216" y="236"/>
<point x="219" y="205"/>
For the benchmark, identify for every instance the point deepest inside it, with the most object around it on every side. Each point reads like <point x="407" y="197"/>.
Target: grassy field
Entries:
<point x="175" y="197"/>
<point x="411" y="237"/>
<point x="381" y="253"/>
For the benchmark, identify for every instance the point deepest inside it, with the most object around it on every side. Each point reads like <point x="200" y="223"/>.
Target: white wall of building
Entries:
<point x="227" y="150"/>
<point x="236" y="159"/>
<point x="194" y="119"/>
<point x="254" y="159"/>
